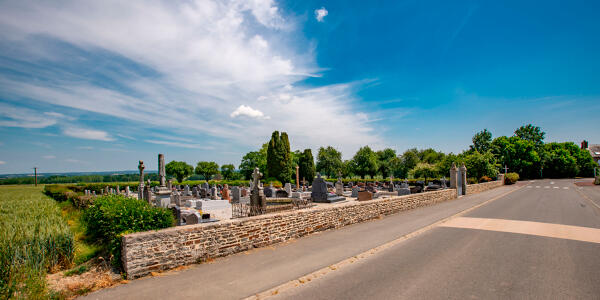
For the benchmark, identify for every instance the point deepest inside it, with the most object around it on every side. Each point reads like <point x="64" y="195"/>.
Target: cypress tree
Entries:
<point x="273" y="168"/>
<point x="286" y="159"/>
<point x="307" y="165"/>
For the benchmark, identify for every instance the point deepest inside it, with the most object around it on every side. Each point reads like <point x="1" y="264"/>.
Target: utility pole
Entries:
<point x="35" y="174"/>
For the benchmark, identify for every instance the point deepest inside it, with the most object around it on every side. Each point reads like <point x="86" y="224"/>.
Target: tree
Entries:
<point x="424" y="170"/>
<point x="306" y="162"/>
<point x="179" y="170"/>
<point x="408" y="160"/>
<point x="430" y="156"/>
<point x="385" y="159"/>
<point x="482" y="141"/>
<point x="519" y="155"/>
<point x="481" y="164"/>
<point x="531" y="133"/>
<point x="329" y="161"/>
<point x="227" y="171"/>
<point x="365" y="162"/>
<point x="254" y="159"/>
<point x="279" y="163"/>
<point x="207" y="169"/>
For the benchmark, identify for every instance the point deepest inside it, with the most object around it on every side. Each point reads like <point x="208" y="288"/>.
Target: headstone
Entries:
<point x="118" y="190"/>
<point x="288" y="188"/>
<point x="320" y="194"/>
<point x="127" y="191"/>
<point x="195" y="192"/>
<point x="213" y="192"/>
<point x="176" y="198"/>
<point x="191" y="219"/>
<point x="355" y="192"/>
<point x="268" y="191"/>
<point x="94" y="193"/>
<point x="257" y="197"/>
<point x="339" y="187"/>
<point x="186" y="190"/>
<point x="225" y="193"/>
<point x="365" y="196"/>
<point x="204" y="193"/>
<point x="148" y="194"/>
<point x="177" y="214"/>
<point x="403" y="191"/>
<point x="205" y="185"/>
<point x="235" y="194"/>
<point x="244" y="192"/>
<point x="170" y="184"/>
<point x="106" y="190"/>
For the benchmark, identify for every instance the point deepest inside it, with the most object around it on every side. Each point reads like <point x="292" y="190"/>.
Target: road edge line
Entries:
<point x="366" y="254"/>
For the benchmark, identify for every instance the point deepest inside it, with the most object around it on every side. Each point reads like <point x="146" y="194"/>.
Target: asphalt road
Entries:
<point x="496" y="263"/>
<point x="441" y="262"/>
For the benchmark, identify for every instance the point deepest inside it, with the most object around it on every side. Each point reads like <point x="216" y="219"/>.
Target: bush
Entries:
<point x="57" y="192"/>
<point x="511" y="178"/>
<point x="484" y="179"/>
<point x="112" y="216"/>
<point x="472" y="180"/>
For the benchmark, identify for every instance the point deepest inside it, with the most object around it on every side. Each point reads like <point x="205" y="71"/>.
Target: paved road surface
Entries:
<point x="444" y="262"/>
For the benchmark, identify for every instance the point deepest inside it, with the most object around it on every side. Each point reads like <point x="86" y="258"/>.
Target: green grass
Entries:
<point x="34" y="238"/>
<point x="85" y="248"/>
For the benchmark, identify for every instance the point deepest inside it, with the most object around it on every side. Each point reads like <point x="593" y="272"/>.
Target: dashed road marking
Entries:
<point x="547" y="187"/>
<point x="537" y="186"/>
<point x="565" y="188"/>
<point x="551" y="182"/>
<point x="529" y="186"/>
<point x="557" y="187"/>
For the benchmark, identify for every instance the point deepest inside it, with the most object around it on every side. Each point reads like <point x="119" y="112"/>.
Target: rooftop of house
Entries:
<point x="594" y="150"/>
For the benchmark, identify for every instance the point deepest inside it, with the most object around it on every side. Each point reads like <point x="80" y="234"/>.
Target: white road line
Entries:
<point x="557" y="187"/>
<point x="529" y="186"/>
<point x="566" y="188"/>
<point x="551" y="182"/>
<point x="537" y="186"/>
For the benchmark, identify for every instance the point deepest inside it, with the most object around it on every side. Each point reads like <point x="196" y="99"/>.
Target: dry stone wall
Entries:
<point x="482" y="187"/>
<point x="164" y="249"/>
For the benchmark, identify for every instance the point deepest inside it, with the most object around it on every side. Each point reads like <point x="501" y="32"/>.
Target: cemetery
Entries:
<point x="155" y="225"/>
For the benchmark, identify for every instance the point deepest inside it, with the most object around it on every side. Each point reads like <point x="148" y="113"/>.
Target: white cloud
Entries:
<point x="125" y="136"/>
<point x="320" y="14"/>
<point x="49" y="157"/>
<point x="14" y="116"/>
<point x="85" y="147"/>
<point x="248" y="111"/>
<point x="88" y="134"/>
<point x="180" y="144"/>
<point x="206" y="57"/>
<point x="2" y="162"/>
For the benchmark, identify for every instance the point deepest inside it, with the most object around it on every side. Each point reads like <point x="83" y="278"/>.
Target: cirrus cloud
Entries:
<point x="88" y="134"/>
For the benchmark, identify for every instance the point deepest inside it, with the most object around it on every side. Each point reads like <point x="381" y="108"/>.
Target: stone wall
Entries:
<point x="482" y="187"/>
<point x="145" y="252"/>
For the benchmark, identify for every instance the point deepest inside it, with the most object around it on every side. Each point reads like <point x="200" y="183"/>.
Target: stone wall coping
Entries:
<point x="222" y="223"/>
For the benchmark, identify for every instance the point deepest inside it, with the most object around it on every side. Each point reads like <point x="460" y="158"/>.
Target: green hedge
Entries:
<point x="112" y="216"/>
<point x="511" y="178"/>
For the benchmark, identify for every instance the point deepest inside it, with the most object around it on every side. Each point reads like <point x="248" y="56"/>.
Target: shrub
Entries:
<point x="484" y="179"/>
<point x="57" y="192"/>
<point x="472" y="180"/>
<point x="112" y="216"/>
<point x="511" y="178"/>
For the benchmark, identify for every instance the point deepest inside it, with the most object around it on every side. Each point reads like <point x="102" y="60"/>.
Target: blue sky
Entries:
<point x="99" y="85"/>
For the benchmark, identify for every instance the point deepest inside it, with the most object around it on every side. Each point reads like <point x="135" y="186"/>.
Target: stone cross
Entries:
<point x="161" y="170"/>
<point x="505" y="169"/>
<point x="255" y="178"/>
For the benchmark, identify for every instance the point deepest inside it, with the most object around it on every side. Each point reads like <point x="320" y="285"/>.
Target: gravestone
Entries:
<point x="268" y="191"/>
<point x="195" y="192"/>
<point x="339" y="187"/>
<point x="186" y="190"/>
<point x="288" y="188"/>
<point x="118" y="190"/>
<point x="320" y="194"/>
<point x="204" y="193"/>
<point x="244" y="192"/>
<point x="235" y="194"/>
<point x="365" y="196"/>
<point x="127" y="191"/>
<point x="225" y="193"/>
<point x="403" y="191"/>
<point x="257" y="197"/>
<point x="281" y="194"/>
<point x="355" y="192"/>
<point x="94" y="193"/>
<point x="205" y="186"/>
<point x="213" y="193"/>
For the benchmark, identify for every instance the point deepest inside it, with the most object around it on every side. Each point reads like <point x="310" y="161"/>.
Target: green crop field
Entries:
<point x="34" y="238"/>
